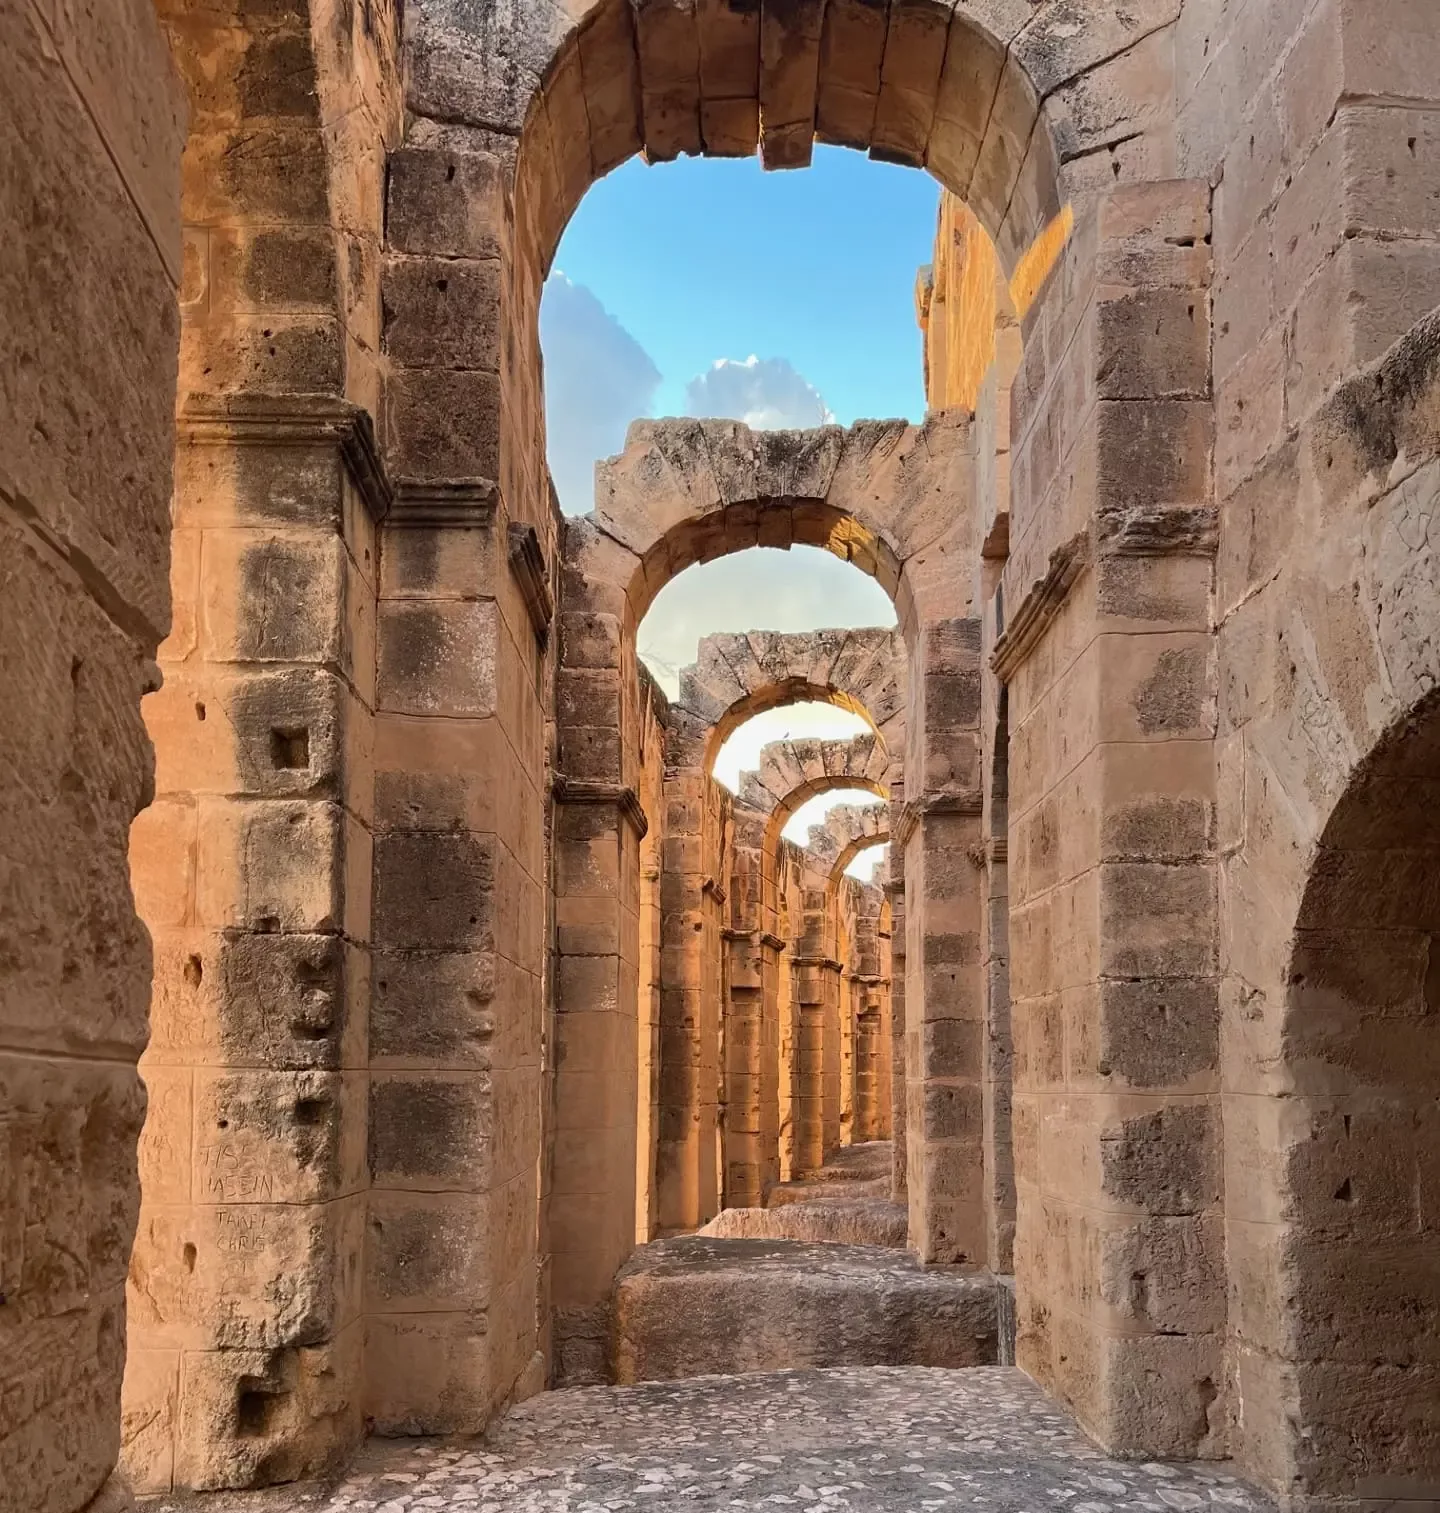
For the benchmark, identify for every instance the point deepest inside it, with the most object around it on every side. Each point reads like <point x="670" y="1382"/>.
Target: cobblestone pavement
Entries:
<point x="868" y="1440"/>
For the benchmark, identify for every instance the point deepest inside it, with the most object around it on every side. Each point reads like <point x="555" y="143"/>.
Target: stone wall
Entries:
<point x="1312" y="123"/>
<point x="91" y="134"/>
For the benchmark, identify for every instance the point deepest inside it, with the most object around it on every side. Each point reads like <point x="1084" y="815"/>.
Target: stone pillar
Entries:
<point x="693" y="899"/>
<point x="937" y="835"/>
<point x="648" y="1029"/>
<point x="1107" y="656"/>
<point x="592" y="1201"/>
<point x="750" y="1116"/>
<point x="899" y="1129"/>
<point x="253" y="870"/>
<point x="462" y="800"/>
<point x="995" y="946"/>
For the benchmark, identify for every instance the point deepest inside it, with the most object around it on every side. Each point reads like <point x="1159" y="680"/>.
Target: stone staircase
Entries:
<point x="820" y="1278"/>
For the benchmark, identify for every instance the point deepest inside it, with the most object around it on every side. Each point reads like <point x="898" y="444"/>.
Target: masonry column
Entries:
<point x="748" y="1126"/>
<point x="1107" y="654"/>
<point x="252" y="871"/>
<point x="895" y="1063"/>
<point x="938" y="833"/>
<point x="467" y="590"/>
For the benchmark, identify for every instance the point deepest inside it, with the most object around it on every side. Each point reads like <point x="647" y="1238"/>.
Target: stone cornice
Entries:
<point x="965" y="801"/>
<point x="592" y="791"/>
<point x="527" y="564"/>
<point x="1040" y="606"/>
<point x="293" y="420"/>
<point x="454" y="501"/>
<point x="829" y="963"/>
<point x="714" y="889"/>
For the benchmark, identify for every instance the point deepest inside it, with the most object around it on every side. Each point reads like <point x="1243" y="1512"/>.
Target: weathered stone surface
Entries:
<point x="837" y="1221"/>
<point x="695" y="1307"/>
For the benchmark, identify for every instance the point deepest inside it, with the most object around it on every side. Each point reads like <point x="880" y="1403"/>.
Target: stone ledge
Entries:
<point x="695" y="1306"/>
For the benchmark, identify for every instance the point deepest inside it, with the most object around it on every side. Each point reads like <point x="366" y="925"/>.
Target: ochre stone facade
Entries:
<point x="456" y="974"/>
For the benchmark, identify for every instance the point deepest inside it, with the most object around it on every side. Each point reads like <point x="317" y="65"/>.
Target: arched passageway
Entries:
<point x="349" y="873"/>
<point x="1350" y="1256"/>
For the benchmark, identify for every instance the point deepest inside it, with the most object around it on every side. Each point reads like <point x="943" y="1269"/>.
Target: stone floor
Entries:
<point x="869" y="1440"/>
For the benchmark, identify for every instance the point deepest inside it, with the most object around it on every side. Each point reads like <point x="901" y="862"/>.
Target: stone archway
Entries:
<point x="786" y="985"/>
<point x="735" y="677"/>
<point x="863" y="915"/>
<point x="1352" y="1257"/>
<point x="1328" y="1024"/>
<point x="846" y="831"/>
<point x="1072" y="115"/>
<point x="891" y="498"/>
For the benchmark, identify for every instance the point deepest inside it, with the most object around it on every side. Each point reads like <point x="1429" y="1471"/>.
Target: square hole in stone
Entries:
<point x="290" y="750"/>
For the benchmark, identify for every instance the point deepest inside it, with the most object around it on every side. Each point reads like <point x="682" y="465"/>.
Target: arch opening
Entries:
<point x="1356" y="1256"/>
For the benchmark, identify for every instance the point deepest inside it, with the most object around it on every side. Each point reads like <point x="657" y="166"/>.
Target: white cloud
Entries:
<point x="766" y="393"/>
<point x="598" y="379"/>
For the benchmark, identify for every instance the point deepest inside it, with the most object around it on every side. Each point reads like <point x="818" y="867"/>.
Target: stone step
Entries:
<point x="837" y="1220"/>
<point x="696" y="1305"/>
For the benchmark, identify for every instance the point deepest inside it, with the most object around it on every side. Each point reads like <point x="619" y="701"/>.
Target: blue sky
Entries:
<point x="709" y="258"/>
<point x="666" y="271"/>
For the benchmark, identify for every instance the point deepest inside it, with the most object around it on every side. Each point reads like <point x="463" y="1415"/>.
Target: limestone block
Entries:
<point x="271" y="270"/>
<point x="1359" y="179"/>
<point x="276" y="1137"/>
<point x="1003" y="146"/>
<point x="272" y="173"/>
<point x="442" y="312"/>
<point x="280" y="1001"/>
<point x="1153" y="344"/>
<point x="694" y="1306"/>
<point x="1164" y="1161"/>
<point x="280" y="866"/>
<point x="844" y="1221"/>
<point x="434" y="1010"/>
<point x="915" y="47"/>
<point x="431" y="1130"/>
<point x="668" y="41"/>
<point x="1124" y="98"/>
<point x="968" y="84"/>
<point x="480" y="70"/>
<point x="1162" y="1395"/>
<point x="438" y="657"/>
<point x="429" y="1373"/>
<point x="248" y="1275"/>
<point x="77" y="421"/>
<point x="269" y="597"/>
<point x="426" y="1253"/>
<point x="1362" y="301"/>
<point x="852" y="45"/>
<point x="286" y="734"/>
<point x="268" y="354"/>
<point x="257" y="485"/>
<point x="443" y="424"/>
<point x="610" y="69"/>
<point x="249" y="1416"/>
<point x="434" y="891"/>
<point x="789" y="79"/>
<point x="449" y="202"/>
